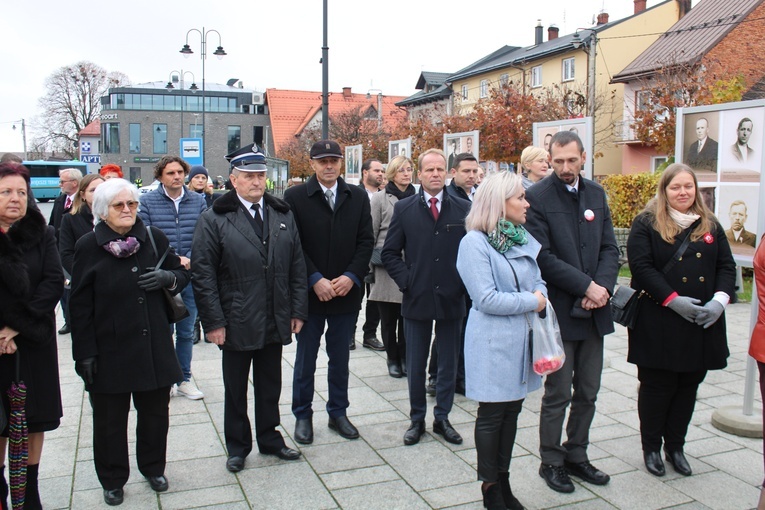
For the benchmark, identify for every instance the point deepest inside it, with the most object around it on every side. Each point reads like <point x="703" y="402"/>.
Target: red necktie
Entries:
<point x="68" y="203"/>
<point x="433" y="208"/>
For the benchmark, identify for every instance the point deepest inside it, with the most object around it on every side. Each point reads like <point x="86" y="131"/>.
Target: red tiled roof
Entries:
<point x="92" y="129"/>
<point x="291" y="110"/>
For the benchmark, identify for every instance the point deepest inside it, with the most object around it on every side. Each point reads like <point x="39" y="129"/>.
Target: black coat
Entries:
<point x="420" y="254"/>
<point x="125" y="327"/>
<point x="662" y="339"/>
<point x="58" y="212"/>
<point x="236" y="277"/>
<point x="575" y="252"/>
<point x="73" y="227"/>
<point x="31" y="283"/>
<point x="334" y="242"/>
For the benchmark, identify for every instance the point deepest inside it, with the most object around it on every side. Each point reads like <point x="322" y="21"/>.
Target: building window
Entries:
<point x="568" y="69"/>
<point x="504" y="79"/>
<point x="657" y="161"/>
<point x="135" y="139"/>
<point x="536" y="76"/>
<point x="642" y="100"/>
<point x="484" y="88"/>
<point x="464" y="92"/>
<point x="160" y="138"/>
<point x="234" y="138"/>
<point x="195" y="130"/>
<point x="110" y="138"/>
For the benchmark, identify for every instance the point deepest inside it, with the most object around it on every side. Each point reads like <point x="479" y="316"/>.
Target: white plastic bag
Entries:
<point x="547" y="352"/>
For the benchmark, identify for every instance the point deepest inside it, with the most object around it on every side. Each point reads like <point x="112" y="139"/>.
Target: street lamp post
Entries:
<point x="193" y="88"/>
<point x="23" y="134"/>
<point x="593" y="44"/>
<point x="186" y="52"/>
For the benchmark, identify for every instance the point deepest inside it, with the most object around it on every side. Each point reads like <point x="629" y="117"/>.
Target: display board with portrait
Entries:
<point x="544" y="131"/>
<point x="399" y="148"/>
<point x="724" y="145"/>
<point x="457" y="143"/>
<point x="353" y="161"/>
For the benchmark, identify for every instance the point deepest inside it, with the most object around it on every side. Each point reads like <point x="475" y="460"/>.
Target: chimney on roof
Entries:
<point x="685" y="6"/>
<point x="552" y="32"/>
<point x="347" y="93"/>
<point x="602" y="18"/>
<point x="538" y="32"/>
<point x="639" y="6"/>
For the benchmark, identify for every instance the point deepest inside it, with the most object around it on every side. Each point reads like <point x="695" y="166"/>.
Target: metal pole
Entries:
<point x="204" y="132"/>
<point x="325" y="81"/>
<point x="24" y="136"/>
<point x="591" y="75"/>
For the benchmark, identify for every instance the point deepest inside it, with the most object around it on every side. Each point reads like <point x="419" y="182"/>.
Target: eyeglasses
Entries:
<point x="119" y="206"/>
<point x="405" y="170"/>
<point x="63" y="181"/>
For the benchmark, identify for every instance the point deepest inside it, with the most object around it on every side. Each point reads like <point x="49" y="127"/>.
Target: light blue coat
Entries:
<point x="497" y="356"/>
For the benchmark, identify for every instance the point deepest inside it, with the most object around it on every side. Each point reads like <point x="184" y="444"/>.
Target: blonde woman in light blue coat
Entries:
<point x="497" y="263"/>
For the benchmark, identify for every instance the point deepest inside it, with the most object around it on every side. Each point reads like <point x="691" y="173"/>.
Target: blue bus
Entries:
<point x="44" y="176"/>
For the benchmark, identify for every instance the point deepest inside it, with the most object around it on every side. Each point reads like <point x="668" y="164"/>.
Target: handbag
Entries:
<point x="625" y="300"/>
<point x="176" y="310"/>
<point x="545" y="341"/>
<point x="376" y="257"/>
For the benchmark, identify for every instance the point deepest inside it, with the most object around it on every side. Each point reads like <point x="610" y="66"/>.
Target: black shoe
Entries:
<point x="374" y="344"/>
<point x="304" y="431"/>
<point x="114" y="497"/>
<point x="444" y="428"/>
<point x="678" y="461"/>
<point x="511" y="502"/>
<point x="158" y="483"/>
<point x="414" y="433"/>
<point x="492" y="497"/>
<point x="556" y="478"/>
<point x="430" y="388"/>
<point x="286" y="453"/>
<point x="343" y="426"/>
<point x="235" y="464"/>
<point x="352" y="345"/>
<point x="394" y="370"/>
<point x="654" y="464"/>
<point x="65" y="330"/>
<point x="197" y="332"/>
<point x="587" y="472"/>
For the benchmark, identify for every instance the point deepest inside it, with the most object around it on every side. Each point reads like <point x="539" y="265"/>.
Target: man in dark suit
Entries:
<point x="579" y="258"/>
<point x="702" y="154"/>
<point x="69" y="181"/>
<point x="335" y="226"/>
<point x="741" y="150"/>
<point x="737" y="235"/>
<point x="428" y="228"/>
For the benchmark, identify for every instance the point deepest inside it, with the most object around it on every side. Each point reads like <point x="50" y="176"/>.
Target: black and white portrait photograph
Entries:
<point x="353" y="161"/>
<point x="399" y="148"/>
<point x="456" y="143"/>
<point x="701" y="145"/>
<point x="737" y="211"/>
<point x="741" y="144"/>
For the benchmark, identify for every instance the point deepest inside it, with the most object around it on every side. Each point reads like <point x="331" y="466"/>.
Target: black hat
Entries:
<point x="248" y="159"/>
<point x="326" y="149"/>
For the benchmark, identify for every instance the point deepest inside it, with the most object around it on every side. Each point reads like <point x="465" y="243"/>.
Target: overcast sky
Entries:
<point x="275" y="44"/>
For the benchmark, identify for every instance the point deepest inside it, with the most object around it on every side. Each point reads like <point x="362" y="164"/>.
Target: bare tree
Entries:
<point x="72" y="101"/>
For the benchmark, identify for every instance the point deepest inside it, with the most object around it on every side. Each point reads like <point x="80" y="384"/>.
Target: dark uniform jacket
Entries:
<point x="662" y="339"/>
<point x="575" y="251"/>
<point x="334" y="242"/>
<point x="238" y="279"/>
<point x="420" y="254"/>
<point x="31" y="283"/>
<point x="125" y="327"/>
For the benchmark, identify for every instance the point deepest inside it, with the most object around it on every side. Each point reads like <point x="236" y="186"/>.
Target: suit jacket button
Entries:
<point x="698" y="255"/>
<point x="681" y="258"/>
<point x="685" y="280"/>
<point x="140" y="300"/>
<point x="144" y="332"/>
<point x="701" y="279"/>
<point x="134" y="269"/>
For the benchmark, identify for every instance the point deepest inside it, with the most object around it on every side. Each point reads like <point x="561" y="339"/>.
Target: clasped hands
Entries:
<point x="7" y="344"/>
<point x="328" y="289"/>
<point x="596" y="296"/>
<point x="691" y="310"/>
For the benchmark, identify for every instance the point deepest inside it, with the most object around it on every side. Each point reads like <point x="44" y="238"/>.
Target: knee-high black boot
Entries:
<point x="3" y="490"/>
<point x="510" y="501"/>
<point x="32" y="497"/>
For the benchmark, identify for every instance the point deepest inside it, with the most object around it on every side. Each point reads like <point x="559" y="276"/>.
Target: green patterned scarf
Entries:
<point x="507" y="235"/>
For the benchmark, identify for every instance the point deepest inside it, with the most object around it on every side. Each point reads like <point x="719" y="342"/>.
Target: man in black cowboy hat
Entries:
<point x="335" y="227"/>
<point x="249" y="276"/>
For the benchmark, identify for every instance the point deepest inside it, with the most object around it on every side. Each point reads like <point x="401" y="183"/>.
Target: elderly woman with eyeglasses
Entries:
<point x="121" y="337"/>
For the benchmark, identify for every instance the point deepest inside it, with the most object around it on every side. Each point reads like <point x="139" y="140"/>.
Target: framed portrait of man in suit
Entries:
<point x="741" y="144"/>
<point x="544" y="131"/>
<point x="700" y="144"/>
<point x="353" y="155"/>
<point x="399" y="148"/>
<point x="457" y="143"/>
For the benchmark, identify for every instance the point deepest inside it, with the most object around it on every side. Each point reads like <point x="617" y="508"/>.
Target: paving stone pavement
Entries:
<point x="378" y="471"/>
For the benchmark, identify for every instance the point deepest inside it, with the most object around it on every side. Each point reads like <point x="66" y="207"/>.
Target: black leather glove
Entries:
<point x="157" y="279"/>
<point x="87" y="369"/>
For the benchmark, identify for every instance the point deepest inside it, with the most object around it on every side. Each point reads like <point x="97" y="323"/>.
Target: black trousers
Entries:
<point x="392" y="330"/>
<point x="110" y="435"/>
<point x="495" y="429"/>
<point x="433" y="364"/>
<point x="266" y="366"/>
<point x="665" y="405"/>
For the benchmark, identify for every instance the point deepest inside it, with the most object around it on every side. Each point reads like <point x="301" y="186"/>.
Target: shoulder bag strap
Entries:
<point x="154" y="246"/>
<point x="679" y="253"/>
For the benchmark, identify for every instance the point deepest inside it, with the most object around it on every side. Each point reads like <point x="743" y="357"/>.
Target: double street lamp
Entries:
<point x="193" y="88"/>
<point x="187" y="52"/>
